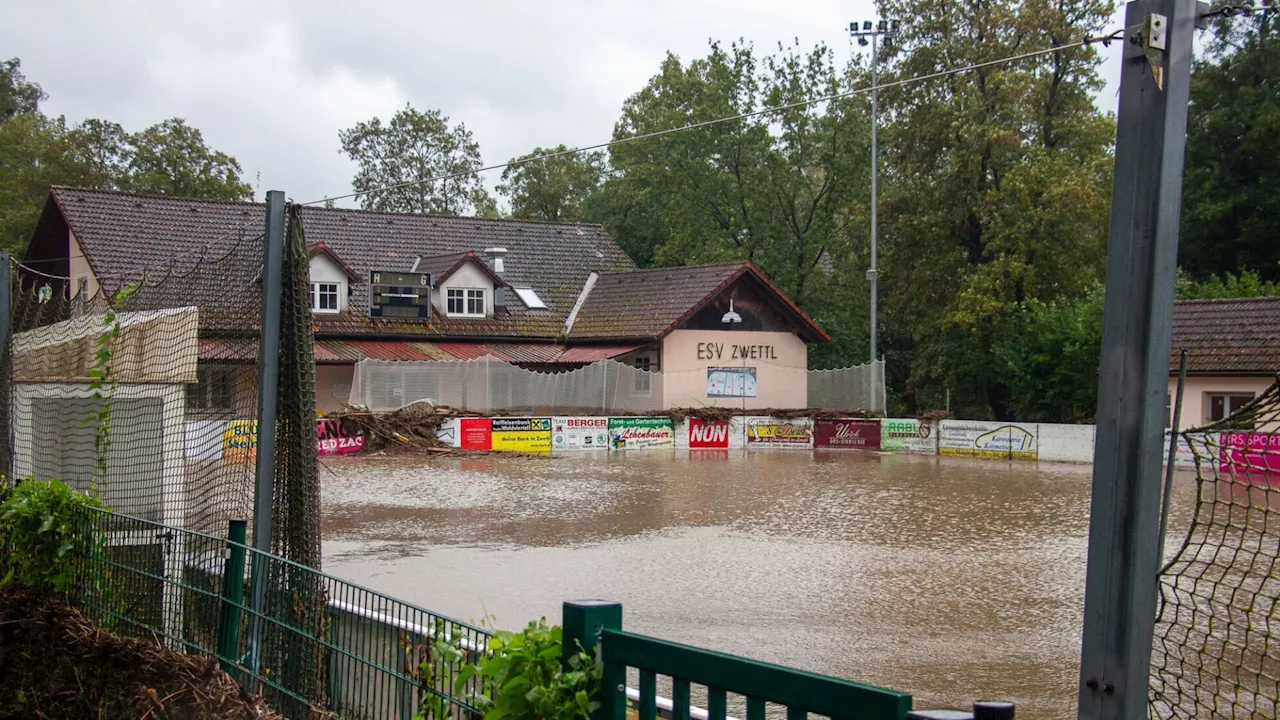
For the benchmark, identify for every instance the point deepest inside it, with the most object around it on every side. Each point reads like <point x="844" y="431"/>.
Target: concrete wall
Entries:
<point x="779" y="358"/>
<point x="1066" y="443"/>
<point x="467" y="276"/>
<point x="333" y="386"/>
<point x="325" y="270"/>
<point x="1195" y="402"/>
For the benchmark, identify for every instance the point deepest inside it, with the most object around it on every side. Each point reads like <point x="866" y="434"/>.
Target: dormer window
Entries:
<point x="324" y="297"/>
<point x="465" y="302"/>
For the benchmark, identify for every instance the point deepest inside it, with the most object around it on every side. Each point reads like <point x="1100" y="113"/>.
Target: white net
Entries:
<point x="606" y="387"/>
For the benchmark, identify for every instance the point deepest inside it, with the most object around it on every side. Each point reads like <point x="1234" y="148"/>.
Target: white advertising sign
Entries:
<point x="570" y="434"/>
<point x="996" y="440"/>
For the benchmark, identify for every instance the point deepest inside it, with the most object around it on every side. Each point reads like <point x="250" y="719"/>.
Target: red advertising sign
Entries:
<point x="333" y="438"/>
<point x="708" y="434"/>
<point x="850" y="433"/>
<point x="476" y="434"/>
<point x="1246" y="452"/>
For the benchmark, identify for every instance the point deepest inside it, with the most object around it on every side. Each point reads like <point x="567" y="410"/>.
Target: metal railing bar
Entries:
<point x="400" y="624"/>
<point x="666" y="706"/>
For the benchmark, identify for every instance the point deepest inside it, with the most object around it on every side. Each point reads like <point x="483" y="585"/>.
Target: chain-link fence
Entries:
<point x="606" y="387"/>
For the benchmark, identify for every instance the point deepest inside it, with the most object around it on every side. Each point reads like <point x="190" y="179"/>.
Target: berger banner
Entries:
<point x="579" y="433"/>
<point x="847" y="433"/>
<point x="527" y="435"/>
<point x="779" y="432"/>
<point x="908" y="435"/>
<point x="634" y="433"/>
<point x="971" y="438"/>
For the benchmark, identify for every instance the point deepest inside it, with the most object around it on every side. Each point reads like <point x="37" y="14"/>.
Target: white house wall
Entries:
<point x="467" y="276"/>
<point x="325" y="270"/>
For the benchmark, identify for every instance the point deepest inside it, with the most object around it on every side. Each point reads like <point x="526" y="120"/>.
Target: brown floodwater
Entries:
<point x="949" y="578"/>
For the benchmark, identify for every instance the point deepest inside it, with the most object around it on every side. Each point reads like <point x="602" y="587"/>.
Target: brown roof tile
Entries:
<point x="1238" y="336"/>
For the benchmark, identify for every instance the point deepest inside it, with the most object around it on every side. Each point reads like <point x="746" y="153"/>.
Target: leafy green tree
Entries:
<point x="996" y="188"/>
<point x="553" y="188"/>
<point x="171" y="158"/>
<point x="1228" y="285"/>
<point x="17" y="95"/>
<point x="34" y="154"/>
<point x="1230" y="207"/>
<point x="394" y="158"/>
<point x="777" y="190"/>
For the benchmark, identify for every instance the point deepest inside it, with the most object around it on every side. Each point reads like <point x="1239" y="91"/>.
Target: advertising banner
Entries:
<point x="776" y="432"/>
<point x="847" y="433"/>
<point x="970" y="438"/>
<point x="579" y="433"/>
<point x="335" y="439"/>
<point x="240" y="440"/>
<point x="708" y="434"/>
<point x="1203" y="445"/>
<point x="633" y="433"/>
<point x="1250" y="452"/>
<point x="475" y="434"/>
<point x="908" y="435"/>
<point x="527" y="435"/>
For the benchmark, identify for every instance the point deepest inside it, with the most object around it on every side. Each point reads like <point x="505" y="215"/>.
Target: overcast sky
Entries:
<point x="272" y="83"/>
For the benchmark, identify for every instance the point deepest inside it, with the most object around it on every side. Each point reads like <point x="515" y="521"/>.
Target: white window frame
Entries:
<point x="316" y="295"/>
<point x="1226" y="402"/>
<point x="642" y="383"/>
<point x="466" y="296"/>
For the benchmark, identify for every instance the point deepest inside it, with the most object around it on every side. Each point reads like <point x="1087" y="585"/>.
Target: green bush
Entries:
<point x="522" y="678"/>
<point x="43" y="529"/>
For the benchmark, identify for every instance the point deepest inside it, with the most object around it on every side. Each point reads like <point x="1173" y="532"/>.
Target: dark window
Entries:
<point x="643" y="379"/>
<point x="1224" y="405"/>
<point x="214" y="389"/>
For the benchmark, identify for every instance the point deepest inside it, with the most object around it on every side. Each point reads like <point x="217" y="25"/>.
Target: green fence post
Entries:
<point x="232" y="598"/>
<point x="582" y="621"/>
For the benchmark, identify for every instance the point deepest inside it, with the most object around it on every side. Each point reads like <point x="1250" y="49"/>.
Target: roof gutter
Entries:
<point x="582" y="299"/>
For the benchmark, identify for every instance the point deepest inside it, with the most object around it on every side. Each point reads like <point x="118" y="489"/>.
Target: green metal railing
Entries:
<point x="323" y="643"/>
<point x="718" y="674"/>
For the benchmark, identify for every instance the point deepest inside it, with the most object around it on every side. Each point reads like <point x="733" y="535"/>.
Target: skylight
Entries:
<point x="530" y="298"/>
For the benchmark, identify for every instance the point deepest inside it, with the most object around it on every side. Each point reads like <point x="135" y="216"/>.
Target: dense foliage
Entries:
<point x="43" y="529"/>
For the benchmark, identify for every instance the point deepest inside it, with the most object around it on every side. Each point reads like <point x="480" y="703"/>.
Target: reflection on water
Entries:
<point x="952" y="579"/>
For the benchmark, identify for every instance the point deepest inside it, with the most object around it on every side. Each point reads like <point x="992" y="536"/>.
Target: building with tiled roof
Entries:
<point x="1233" y="354"/>
<point x="427" y="288"/>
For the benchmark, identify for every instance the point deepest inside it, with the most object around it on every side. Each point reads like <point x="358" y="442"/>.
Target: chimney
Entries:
<point x="497" y="264"/>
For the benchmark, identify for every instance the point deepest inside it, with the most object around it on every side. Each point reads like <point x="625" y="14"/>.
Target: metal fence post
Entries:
<point x="232" y="598"/>
<point x="1124" y="520"/>
<point x="582" y="621"/>
<point x="6" y="362"/>
<point x="268" y="382"/>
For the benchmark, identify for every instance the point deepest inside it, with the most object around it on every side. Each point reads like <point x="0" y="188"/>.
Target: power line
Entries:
<point x="1087" y="40"/>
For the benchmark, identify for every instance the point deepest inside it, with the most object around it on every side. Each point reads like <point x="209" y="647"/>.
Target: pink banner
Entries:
<point x="334" y="439"/>
<point x="1245" y="452"/>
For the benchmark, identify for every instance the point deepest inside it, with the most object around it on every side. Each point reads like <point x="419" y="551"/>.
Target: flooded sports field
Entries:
<point x="949" y="578"/>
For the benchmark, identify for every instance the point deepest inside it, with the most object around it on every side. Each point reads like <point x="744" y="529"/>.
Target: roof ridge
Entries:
<point x="155" y="196"/>
<point x="459" y="218"/>
<point x="704" y="266"/>
<point x="1208" y="301"/>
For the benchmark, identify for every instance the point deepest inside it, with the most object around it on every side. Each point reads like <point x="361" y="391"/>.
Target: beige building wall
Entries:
<point x="1195" y="395"/>
<point x="780" y="359"/>
<point x="324" y="270"/>
<point x="333" y="386"/>
<point x="80" y="268"/>
<point x="467" y="276"/>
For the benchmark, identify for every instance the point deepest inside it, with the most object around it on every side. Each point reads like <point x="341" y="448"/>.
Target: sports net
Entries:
<point x="1213" y="653"/>
<point x="608" y="387"/>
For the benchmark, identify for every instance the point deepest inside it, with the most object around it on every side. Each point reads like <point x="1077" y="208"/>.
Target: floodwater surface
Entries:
<point x="952" y="579"/>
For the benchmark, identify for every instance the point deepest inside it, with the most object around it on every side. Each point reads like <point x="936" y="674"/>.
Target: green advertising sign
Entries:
<point x="632" y="433"/>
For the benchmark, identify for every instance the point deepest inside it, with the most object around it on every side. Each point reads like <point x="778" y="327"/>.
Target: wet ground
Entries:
<point x="952" y="579"/>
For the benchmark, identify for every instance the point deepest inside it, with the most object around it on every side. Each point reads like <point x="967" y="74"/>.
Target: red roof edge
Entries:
<point x="470" y="256"/>
<point x="320" y="248"/>
<point x="747" y="267"/>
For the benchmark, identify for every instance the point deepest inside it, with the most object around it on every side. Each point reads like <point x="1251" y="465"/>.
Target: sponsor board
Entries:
<point x="908" y="435"/>
<point x="1250" y="452"/>
<point x="847" y="433"/>
<point x="777" y="432"/>
<point x="731" y="382"/>
<point x="965" y="438"/>
<point x="333" y="438"/>
<point x="633" y="433"/>
<point x="240" y="440"/>
<point x="579" y="433"/>
<point x="1202" y="445"/>
<point x="527" y="435"/>
<point x="708" y="434"/>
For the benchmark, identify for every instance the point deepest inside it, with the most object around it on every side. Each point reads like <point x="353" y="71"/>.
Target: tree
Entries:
<point x="34" y="154"/>
<point x="17" y="95"/>
<point x="1228" y="285"/>
<point x="996" y="189"/>
<point x="554" y="188"/>
<point x="778" y="190"/>
<point x="395" y="159"/>
<point x="171" y="158"/>
<point x="1231" y="211"/>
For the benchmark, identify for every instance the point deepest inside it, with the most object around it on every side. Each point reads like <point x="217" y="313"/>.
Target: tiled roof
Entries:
<point x="123" y="235"/>
<point x="1228" y="337"/>
<point x="351" y="351"/>
<point x="442" y="266"/>
<point x="650" y="303"/>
